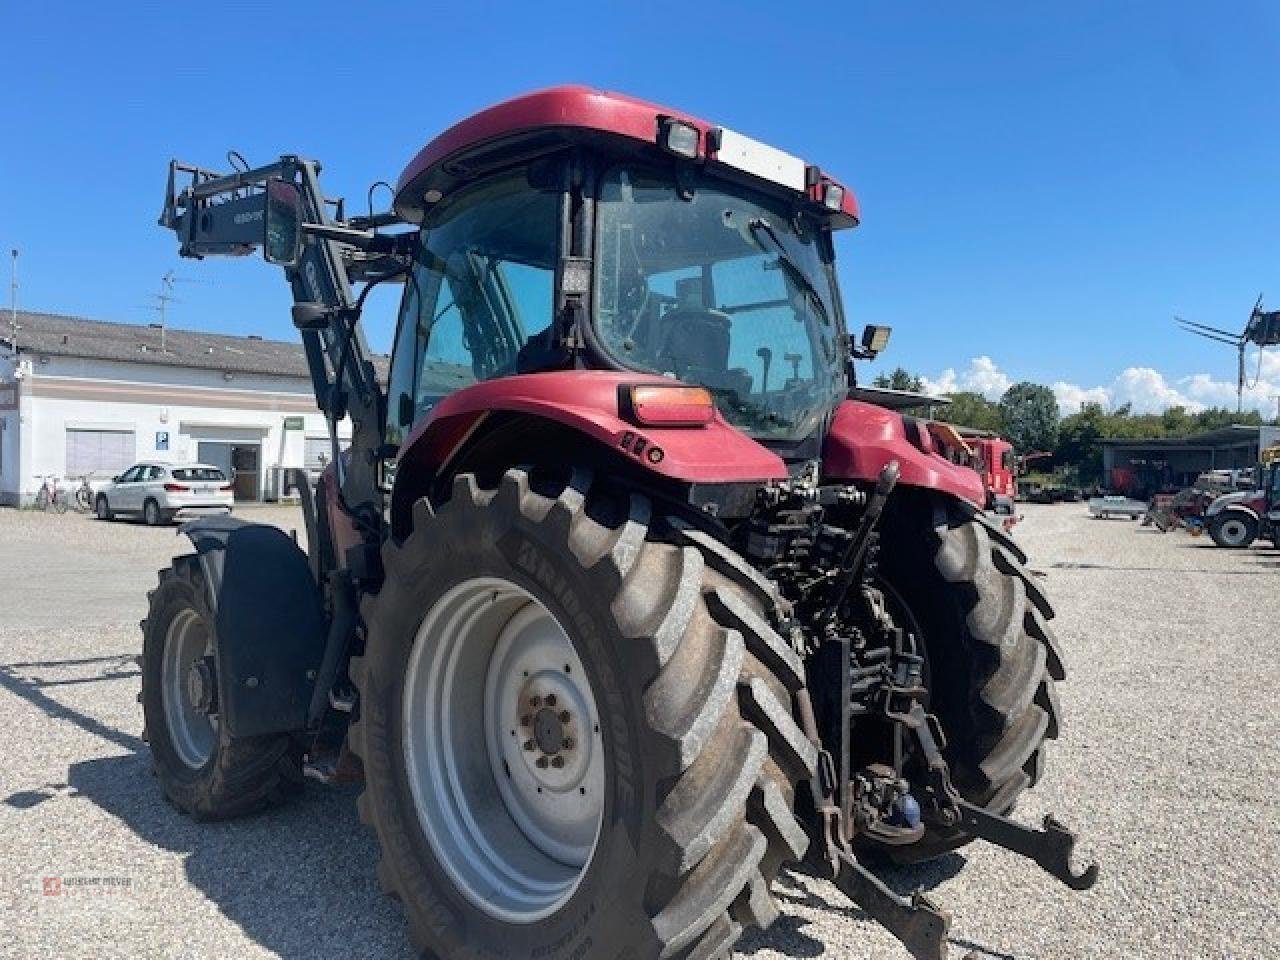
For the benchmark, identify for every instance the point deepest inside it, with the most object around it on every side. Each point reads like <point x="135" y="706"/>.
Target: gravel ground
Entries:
<point x="1167" y="766"/>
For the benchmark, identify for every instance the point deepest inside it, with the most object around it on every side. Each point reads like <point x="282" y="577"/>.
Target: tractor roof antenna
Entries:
<point x="1262" y="330"/>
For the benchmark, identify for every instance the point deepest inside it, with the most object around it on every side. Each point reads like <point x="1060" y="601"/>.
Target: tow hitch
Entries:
<point x="917" y="921"/>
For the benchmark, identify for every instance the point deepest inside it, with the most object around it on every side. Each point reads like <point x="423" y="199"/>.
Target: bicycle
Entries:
<point x="51" y="497"/>
<point x="83" y="501"/>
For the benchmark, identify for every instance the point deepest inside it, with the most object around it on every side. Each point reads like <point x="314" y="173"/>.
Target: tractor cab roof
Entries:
<point x="546" y="121"/>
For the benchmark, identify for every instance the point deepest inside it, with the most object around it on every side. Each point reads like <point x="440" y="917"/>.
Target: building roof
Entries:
<point x="1233" y="435"/>
<point x="55" y="335"/>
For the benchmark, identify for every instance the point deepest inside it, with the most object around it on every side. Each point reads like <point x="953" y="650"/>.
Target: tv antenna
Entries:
<point x="1262" y="329"/>
<point x="163" y="299"/>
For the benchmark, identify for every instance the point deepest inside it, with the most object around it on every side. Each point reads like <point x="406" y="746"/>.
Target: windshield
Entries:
<point x="723" y="286"/>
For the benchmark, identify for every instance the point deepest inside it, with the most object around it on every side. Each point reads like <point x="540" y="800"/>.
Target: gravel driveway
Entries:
<point x="1167" y="765"/>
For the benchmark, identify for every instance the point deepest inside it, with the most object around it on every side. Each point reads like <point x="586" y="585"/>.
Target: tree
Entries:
<point x="968" y="409"/>
<point x="900" y="379"/>
<point x="1029" y="412"/>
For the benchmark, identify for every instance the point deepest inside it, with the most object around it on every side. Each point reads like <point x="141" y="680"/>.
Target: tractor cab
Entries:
<point x="577" y="229"/>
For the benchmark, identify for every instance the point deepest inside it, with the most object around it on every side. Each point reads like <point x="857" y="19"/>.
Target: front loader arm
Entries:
<point x="214" y="214"/>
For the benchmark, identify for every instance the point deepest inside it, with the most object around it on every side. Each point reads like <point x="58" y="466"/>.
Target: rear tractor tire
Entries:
<point x="202" y="769"/>
<point x="991" y="658"/>
<point x="577" y="728"/>
<point x="1233" y="529"/>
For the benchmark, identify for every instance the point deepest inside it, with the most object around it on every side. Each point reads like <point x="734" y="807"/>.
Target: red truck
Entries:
<point x="992" y="457"/>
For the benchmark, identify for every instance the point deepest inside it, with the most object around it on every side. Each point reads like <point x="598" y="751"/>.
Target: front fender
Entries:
<point x="587" y="402"/>
<point x="863" y="438"/>
<point x="269" y="620"/>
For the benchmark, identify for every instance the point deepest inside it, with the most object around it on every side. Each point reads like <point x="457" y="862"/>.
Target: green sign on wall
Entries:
<point x="293" y="423"/>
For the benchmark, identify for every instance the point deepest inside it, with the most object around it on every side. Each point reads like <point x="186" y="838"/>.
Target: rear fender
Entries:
<point x="1239" y="510"/>
<point x="585" y="406"/>
<point x="863" y="438"/>
<point x="270" y="623"/>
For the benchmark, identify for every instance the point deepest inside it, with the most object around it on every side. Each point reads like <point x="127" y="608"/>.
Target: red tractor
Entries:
<point x="616" y="603"/>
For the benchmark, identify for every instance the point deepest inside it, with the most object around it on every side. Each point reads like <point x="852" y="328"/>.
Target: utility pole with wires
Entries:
<point x="13" y="303"/>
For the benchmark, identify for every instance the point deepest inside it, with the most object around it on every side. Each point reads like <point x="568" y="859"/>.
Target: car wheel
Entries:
<point x="102" y="508"/>
<point x="151" y="513"/>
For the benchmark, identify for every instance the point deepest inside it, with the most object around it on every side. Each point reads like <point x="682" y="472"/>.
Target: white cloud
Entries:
<point x="982" y="376"/>
<point x="1145" y="389"/>
<point x="1072" y="397"/>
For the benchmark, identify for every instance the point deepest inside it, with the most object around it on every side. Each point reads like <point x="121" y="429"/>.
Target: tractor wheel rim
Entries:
<point x="1233" y="531"/>
<point x="194" y="733"/>
<point x="514" y="817"/>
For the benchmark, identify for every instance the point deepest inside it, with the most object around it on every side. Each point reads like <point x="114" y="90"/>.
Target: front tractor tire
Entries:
<point x="577" y="728"/>
<point x="991" y="658"/>
<point x="203" y="770"/>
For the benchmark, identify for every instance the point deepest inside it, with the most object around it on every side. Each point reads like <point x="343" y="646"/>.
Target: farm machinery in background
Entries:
<point x="1237" y="519"/>
<point x="617" y="602"/>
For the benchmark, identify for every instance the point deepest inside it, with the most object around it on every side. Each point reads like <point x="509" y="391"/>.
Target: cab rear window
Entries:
<point x="197" y="473"/>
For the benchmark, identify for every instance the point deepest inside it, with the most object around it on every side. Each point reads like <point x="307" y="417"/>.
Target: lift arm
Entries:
<point x="280" y="208"/>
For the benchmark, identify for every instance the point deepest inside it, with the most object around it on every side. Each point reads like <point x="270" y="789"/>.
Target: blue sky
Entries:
<point x="1042" y="188"/>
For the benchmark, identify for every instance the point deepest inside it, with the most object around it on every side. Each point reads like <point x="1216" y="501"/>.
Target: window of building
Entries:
<point x="92" y="450"/>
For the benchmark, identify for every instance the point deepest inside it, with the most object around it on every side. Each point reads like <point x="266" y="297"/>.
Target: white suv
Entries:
<point x="158" y="492"/>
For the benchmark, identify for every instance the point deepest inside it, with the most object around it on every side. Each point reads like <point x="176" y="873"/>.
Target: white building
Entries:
<point x="78" y="396"/>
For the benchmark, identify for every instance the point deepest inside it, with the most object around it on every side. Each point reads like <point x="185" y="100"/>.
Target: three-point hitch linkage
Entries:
<point x="918" y="921"/>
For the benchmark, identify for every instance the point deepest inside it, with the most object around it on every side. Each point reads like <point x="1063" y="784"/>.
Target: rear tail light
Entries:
<point x="177" y="488"/>
<point x="677" y="405"/>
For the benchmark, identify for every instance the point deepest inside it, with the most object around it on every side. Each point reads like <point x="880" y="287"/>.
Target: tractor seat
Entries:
<point x="695" y="347"/>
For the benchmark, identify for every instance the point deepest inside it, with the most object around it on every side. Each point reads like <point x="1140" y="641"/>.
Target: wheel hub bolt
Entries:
<point x="568" y="743"/>
<point x="551" y="700"/>
<point x="557" y="761"/>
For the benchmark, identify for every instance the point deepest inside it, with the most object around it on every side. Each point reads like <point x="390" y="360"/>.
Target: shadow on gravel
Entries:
<point x="1071" y="565"/>
<point x="787" y="935"/>
<point x="298" y="880"/>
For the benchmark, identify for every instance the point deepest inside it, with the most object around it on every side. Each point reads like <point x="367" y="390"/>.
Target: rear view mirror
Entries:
<point x="282" y="224"/>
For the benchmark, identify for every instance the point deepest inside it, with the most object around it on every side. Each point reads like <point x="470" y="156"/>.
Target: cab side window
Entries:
<point x="479" y="302"/>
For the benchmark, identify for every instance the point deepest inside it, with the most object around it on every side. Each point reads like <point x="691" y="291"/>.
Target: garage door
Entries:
<point x="90" y="450"/>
